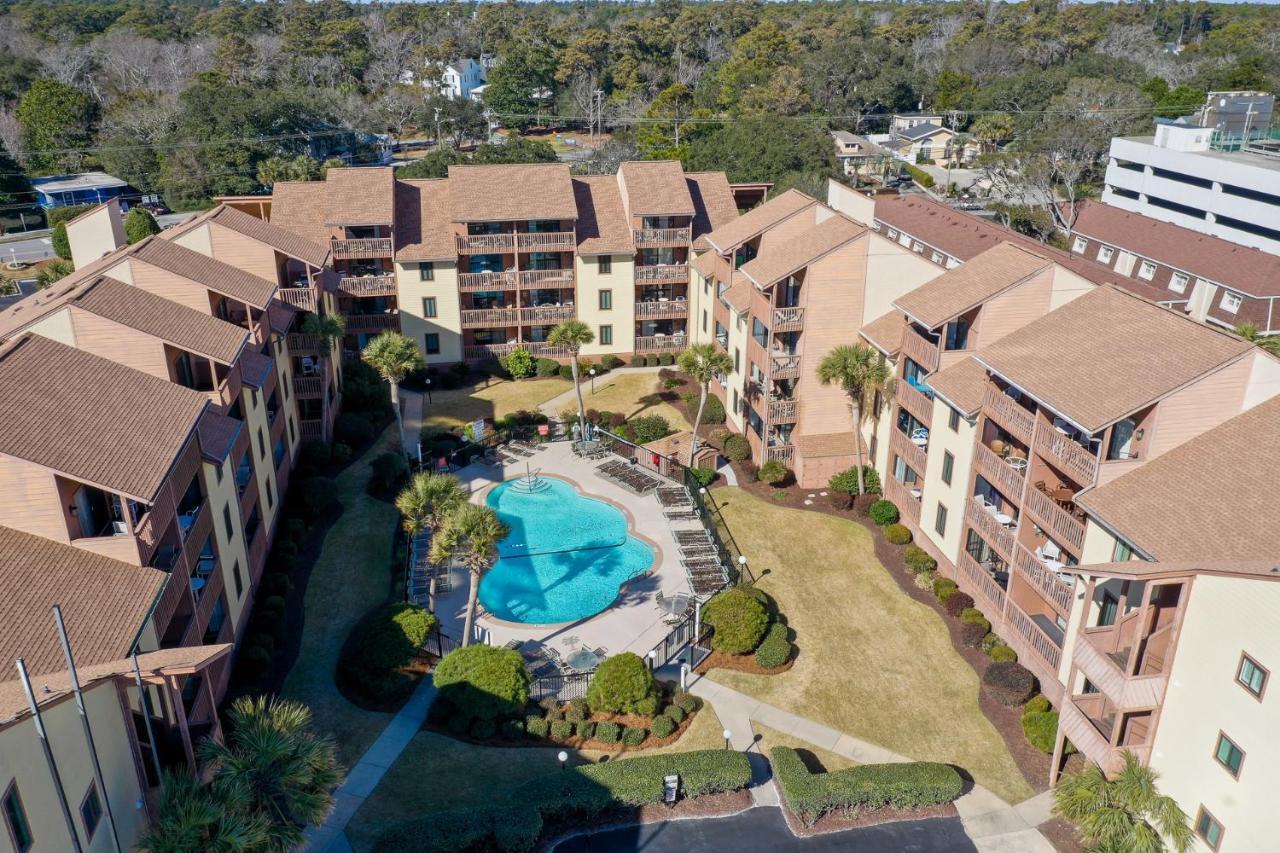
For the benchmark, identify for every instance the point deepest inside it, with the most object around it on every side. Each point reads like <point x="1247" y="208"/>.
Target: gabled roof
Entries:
<point x="780" y="258"/>
<point x="105" y="602"/>
<point x="90" y="418"/>
<point x="655" y="188"/>
<point x="423" y="231"/>
<point x="602" y="226"/>
<point x="504" y="193"/>
<point x="885" y="333"/>
<point x="920" y="131"/>
<point x="299" y="207"/>
<point x="962" y="385"/>
<point x="958" y="290"/>
<point x="1108" y="354"/>
<point x="217" y="434"/>
<point x="359" y="195"/>
<point x="758" y="220"/>
<point x="713" y="204"/>
<point x="313" y="252"/>
<point x="230" y="281"/>
<point x="1210" y="498"/>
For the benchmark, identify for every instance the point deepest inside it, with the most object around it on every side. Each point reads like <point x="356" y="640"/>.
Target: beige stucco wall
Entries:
<point x="96" y="233"/>
<point x="230" y="551"/>
<point x="1264" y="380"/>
<point x="959" y="443"/>
<point x="622" y="316"/>
<point x="289" y="402"/>
<point x="255" y="408"/>
<point x="57" y="326"/>
<point x="410" y="292"/>
<point x="702" y="297"/>
<point x="850" y="202"/>
<point x="739" y="334"/>
<point x="892" y="271"/>
<point x="1225" y="618"/>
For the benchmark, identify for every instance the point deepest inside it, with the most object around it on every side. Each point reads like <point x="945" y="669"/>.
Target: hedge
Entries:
<point x="607" y="732"/>
<point x="944" y="588"/>
<point x="883" y="512"/>
<point x="897" y="534"/>
<point x="1002" y="654"/>
<point x="663" y="726"/>
<point x="483" y="681"/>
<point x="920" y="176"/>
<point x="634" y="735"/>
<point x="775" y="649"/>
<point x="380" y="646"/>
<point x="676" y="713"/>
<point x="957" y="603"/>
<point x="772" y="472"/>
<point x="738" y="618"/>
<point x="918" y="559"/>
<point x="620" y="683"/>
<point x="1009" y="683"/>
<point x="736" y="448"/>
<point x="515" y="823"/>
<point x="713" y="412"/>
<point x="869" y="786"/>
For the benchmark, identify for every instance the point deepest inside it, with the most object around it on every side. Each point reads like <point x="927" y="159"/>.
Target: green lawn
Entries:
<point x="351" y="576"/>
<point x="495" y="399"/>
<point x="873" y="663"/>
<point x="767" y="739"/>
<point x="633" y="394"/>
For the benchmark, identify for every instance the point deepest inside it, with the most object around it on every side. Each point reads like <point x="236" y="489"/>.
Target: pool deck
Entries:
<point x="633" y="623"/>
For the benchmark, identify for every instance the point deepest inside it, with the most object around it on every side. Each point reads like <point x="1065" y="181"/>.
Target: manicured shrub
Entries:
<point x="973" y="616"/>
<point x="511" y="729"/>
<point x="738" y="618"/>
<point x="918" y="559"/>
<point x="607" y="732"/>
<point x="576" y="713"/>
<point x="666" y="359"/>
<point x="561" y="730"/>
<point x="650" y="428"/>
<point x="944" y="588"/>
<point x="518" y="363"/>
<point x="637" y="361"/>
<point x="483" y="681"/>
<point x="663" y="726"/>
<point x="381" y="645"/>
<point x="846" y="481"/>
<point x="612" y="362"/>
<point x="566" y="371"/>
<point x="713" y="413"/>
<point x="737" y="448"/>
<point x="646" y="707"/>
<point x="870" y="786"/>
<point x="688" y="702"/>
<point x="554" y="714"/>
<point x="314" y="454"/>
<point x="772" y="472"/>
<point x="958" y="603"/>
<point x="316" y="496"/>
<point x="634" y="736"/>
<point x="775" y="648"/>
<point x="1040" y="724"/>
<point x="483" y="729"/>
<point x="1037" y="705"/>
<point x="619" y="683"/>
<point x="883" y="512"/>
<point x="585" y="729"/>
<point x="352" y="428"/>
<point x="897" y="534"/>
<point x="971" y="635"/>
<point x="650" y="361"/>
<point x="925" y="580"/>
<point x="546" y="367"/>
<point x="1009" y="683"/>
<point x="703" y="476"/>
<point x="387" y="471"/>
<point x="1002" y="654"/>
<point x="536" y="727"/>
<point x="676" y="713"/>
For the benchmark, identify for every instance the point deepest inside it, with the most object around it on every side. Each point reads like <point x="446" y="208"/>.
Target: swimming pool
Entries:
<point x="565" y="558"/>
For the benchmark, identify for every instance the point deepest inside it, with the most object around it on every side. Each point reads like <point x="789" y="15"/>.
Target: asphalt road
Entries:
<point x="762" y="830"/>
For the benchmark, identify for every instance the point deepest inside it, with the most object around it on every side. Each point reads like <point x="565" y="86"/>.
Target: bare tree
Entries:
<point x="67" y="61"/>
<point x="11" y="134"/>
<point x="394" y="49"/>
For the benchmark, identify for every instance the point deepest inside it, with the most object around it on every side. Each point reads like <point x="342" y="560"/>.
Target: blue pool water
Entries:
<point x="565" y="558"/>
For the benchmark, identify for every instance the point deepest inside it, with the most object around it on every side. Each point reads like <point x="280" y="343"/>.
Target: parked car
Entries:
<point x="155" y="208"/>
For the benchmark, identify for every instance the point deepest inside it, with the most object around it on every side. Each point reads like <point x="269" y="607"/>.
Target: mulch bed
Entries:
<point x="1061" y="835"/>
<point x="740" y="663"/>
<point x="835" y="822"/>
<point x="711" y="805"/>
<point x="575" y="742"/>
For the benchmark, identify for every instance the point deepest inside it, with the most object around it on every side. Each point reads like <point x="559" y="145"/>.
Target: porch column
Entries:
<point x="180" y="712"/>
<point x="1143" y="614"/>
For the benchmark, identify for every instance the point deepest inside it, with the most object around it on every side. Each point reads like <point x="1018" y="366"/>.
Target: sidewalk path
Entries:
<point x="411" y="414"/>
<point x="369" y="770"/>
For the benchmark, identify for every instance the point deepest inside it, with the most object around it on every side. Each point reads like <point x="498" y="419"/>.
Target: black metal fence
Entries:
<point x="562" y="686"/>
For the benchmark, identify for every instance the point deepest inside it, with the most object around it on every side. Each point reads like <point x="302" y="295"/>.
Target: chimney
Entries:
<point x="96" y="233"/>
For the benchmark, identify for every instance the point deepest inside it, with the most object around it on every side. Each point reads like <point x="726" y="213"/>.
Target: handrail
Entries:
<point x="1070" y="456"/>
<point x="1055" y="518"/>
<point x="651" y="238"/>
<point x="996" y="534"/>
<point x="920" y="350"/>
<point x="1001" y="474"/>
<point x="981" y="581"/>
<point x="366" y="247"/>
<point x="662" y="273"/>
<point x="1041" y="642"/>
<point x="1040" y="577"/>
<point x="1011" y="416"/>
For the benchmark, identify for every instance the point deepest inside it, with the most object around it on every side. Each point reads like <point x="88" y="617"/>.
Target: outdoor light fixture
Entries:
<point x="742" y="559"/>
<point x="653" y="659"/>
<point x="563" y="756"/>
<point x="592" y="374"/>
<point x="727" y="734"/>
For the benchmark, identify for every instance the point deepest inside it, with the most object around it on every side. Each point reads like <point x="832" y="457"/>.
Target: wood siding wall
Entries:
<point x="1199" y="407"/>
<point x="1016" y="307"/>
<point x="834" y="293"/>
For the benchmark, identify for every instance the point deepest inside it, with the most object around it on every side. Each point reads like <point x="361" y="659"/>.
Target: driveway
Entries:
<point x="764" y="830"/>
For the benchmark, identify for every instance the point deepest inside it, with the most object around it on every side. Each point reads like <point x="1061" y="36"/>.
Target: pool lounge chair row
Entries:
<point x="692" y="537"/>
<point x="628" y="476"/>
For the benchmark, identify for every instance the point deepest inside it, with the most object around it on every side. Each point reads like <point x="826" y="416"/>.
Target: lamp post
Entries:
<point x="727" y="734"/>
<point x="742" y="565"/>
<point x="653" y="659"/>
<point x="592" y="374"/>
<point x="428" y="381"/>
<point x="563" y="757"/>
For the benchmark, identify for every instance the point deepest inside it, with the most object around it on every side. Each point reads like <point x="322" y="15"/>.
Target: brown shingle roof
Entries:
<point x="1212" y="497"/>
<point x="217" y="433"/>
<point x="423" y="231"/>
<point x="255" y="367"/>
<point x="885" y="332"/>
<point x="505" y="193"/>
<point x="299" y="207"/>
<point x="738" y="294"/>
<point x="823" y="444"/>
<point x="359" y="195"/>
<point x="104" y="601"/>
<point x="758" y="220"/>
<point x="655" y="188"/>
<point x="214" y="274"/>
<point x="280" y="316"/>
<point x="713" y="204"/>
<point x="962" y="385"/>
<point x="1249" y="270"/>
<point x="779" y="258"/>
<point x="91" y="418"/>
<point x="602" y="223"/>
<point x="1108" y="354"/>
<point x="313" y="252"/>
<point x="956" y="291"/>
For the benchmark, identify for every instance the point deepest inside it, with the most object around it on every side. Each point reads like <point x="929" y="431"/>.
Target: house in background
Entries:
<point x="86" y="188"/>
<point x="460" y="78"/>
<point x="857" y="154"/>
<point x="929" y="143"/>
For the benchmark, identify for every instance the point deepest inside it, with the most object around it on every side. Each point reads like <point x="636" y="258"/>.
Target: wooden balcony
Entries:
<point x="1065" y="455"/>
<point x="1004" y="410"/>
<point x="537" y="279"/>
<point x="1054" y="591"/>
<point x="373" y="323"/>
<point x="546" y="315"/>
<point x="784" y="367"/>
<point x="547" y="241"/>
<point x="300" y="344"/>
<point x="480" y="352"/>
<point x="228" y="390"/>
<point x="919" y="349"/>
<point x="485" y="244"/>
<point x="494" y="244"/>
<point x="783" y="411"/>
<point x="661" y="343"/>
<point x="473" y="282"/>
<point x="484" y="318"/>
<point x="999" y="473"/>
<point x="914" y="401"/>
<point x="979" y="583"/>
<point x="1128" y="692"/>
<point x="1044" y="647"/>
<point x="302" y="298"/>
<point x="1054" y="520"/>
<point x="900" y="494"/>
<point x="914" y="456"/>
<point x="371" y="247"/>
<point x="367" y="285"/>
<point x="670" y="309"/>
<point x="309" y="386"/>
<point x="782" y="452"/>
<point x="659" y="238"/>
<point x="312" y="430"/>
<point x="662" y="274"/>
<point x="998" y="536"/>
<point x="787" y="319"/>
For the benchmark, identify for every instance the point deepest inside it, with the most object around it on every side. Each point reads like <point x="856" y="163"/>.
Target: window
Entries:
<point x="1122" y="553"/>
<point x="1105" y="253"/>
<point x="293" y="431"/>
<point x="226" y="522"/>
<point x="262" y="444"/>
<point x="1208" y="828"/>
<point x="737" y="360"/>
<point x="427" y="272"/>
<point x="953" y="420"/>
<point x="238" y="578"/>
<point x="893" y="235"/>
<point x="271" y="498"/>
<point x="1229" y="755"/>
<point x="1251" y="676"/>
<point x="604" y="265"/>
<point x="15" y="817"/>
<point x="606" y="335"/>
<point x="1147" y="270"/>
<point x="1231" y="302"/>
<point x="948" y="466"/>
<point x="734" y="408"/>
<point x="704" y="319"/>
<point x="431" y="343"/>
<point x="936" y="257"/>
<point x="606" y="300"/>
<point x="940" y="521"/>
<point x="429" y="306"/>
<point x="91" y="811"/>
<point x="1080" y="244"/>
<point x="1178" y="284"/>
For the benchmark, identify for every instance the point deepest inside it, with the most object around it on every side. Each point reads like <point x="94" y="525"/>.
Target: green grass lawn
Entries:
<point x="633" y="394"/>
<point x="351" y="576"/>
<point x="767" y="739"/>
<point x="498" y="398"/>
<point x="873" y="663"/>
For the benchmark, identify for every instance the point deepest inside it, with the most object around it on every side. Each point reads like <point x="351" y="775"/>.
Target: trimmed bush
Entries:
<point x="971" y="635"/>
<point x="275" y="584"/>
<point x="353" y="429"/>
<point x="650" y="361"/>
<point x="713" y="413"/>
<point x="620" y="683"/>
<point x="585" y="729"/>
<point x="775" y="648"/>
<point x="738" y="619"/>
<point x="897" y="534"/>
<point x="666" y="359"/>
<point x="688" y="702"/>
<point x="316" y="495"/>
<point x="483" y="681"/>
<point x="846" y="481"/>
<point x="1041" y="729"/>
<point x="511" y="729"/>
<point x="607" y="732"/>
<point x="561" y="730"/>
<point x="1009" y="683"/>
<point x="973" y="616"/>
<point x="554" y="714"/>
<point x="663" y="726"/>
<point x="944" y="588"/>
<point x="650" y="428"/>
<point x="637" y="361"/>
<point x="869" y="786"/>
<point x="925" y="580"/>
<point x="676" y="713"/>
<point x="918" y="560"/>
<point x="1002" y="654"/>
<point x="576" y="713"/>
<point x="537" y="727"/>
<point x="383" y="643"/>
<point x="646" y="707"/>
<point x="387" y="470"/>
<point x="703" y="476"/>
<point x="544" y="367"/>
<point x="883" y="512"/>
<point x="772" y="472"/>
<point x="255" y="660"/>
<point x="616" y="419"/>
<point x="1037" y="705"/>
<point x="566" y="371"/>
<point x="957" y="603"/>
<point x="737" y="448"/>
<point x="484" y="729"/>
<point x="612" y="362"/>
<point x="634" y="736"/>
<point x="518" y="363"/>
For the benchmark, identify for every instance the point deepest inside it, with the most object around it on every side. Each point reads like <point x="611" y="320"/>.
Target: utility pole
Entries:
<point x="437" y="109"/>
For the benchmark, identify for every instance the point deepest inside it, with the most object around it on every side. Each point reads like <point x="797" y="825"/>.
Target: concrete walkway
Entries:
<point x="369" y="770"/>
<point x="992" y="824"/>
<point x="411" y="417"/>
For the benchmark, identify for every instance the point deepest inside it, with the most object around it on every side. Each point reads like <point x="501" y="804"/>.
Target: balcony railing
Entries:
<point x="472" y="282"/>
<point x="367" y="285"/>
<point x="1126" y="691"/>
<point x="1056" y="521"/>
<point x="546" y="241"/>
<point x="907" y="503"/>
<point x="545" y="315"/>
<point x="914" y="401"/>
<point x="996" y="534"/>
<point x="1048" y="650"/>
<point x="919" y="349"/>
<point x="981" y="584"/>
<point x="479" y="352"/>
<point x="302" y="298"/>
<point x="913" y="455"/>
<point x="661" y="343"/>
<point x="534" y="279"/>
<point x="782" y="411"/>
<point x="1086" y="737"/>
<point x="662" y="274"/>
<point x="485" y="244"/>
<point x="489" y="317"/>
<point x="788" y="319"/>
<point x="1046" y="582"/>
<point x="300" y="344"/>
<point x="366" y="323"/>
<point x="369" y="247"/>
<point x="658" y="309"/>
<point x="1005" y="411"/>
<point x="999" y="473"/>
<point x="785" y="367"/>
<point x="782" y="452"/>
<point x="1065" y="454"/>
<point x="312" y="430"/>
<point x="308" y="386"/>
<point x="657" y="238"/>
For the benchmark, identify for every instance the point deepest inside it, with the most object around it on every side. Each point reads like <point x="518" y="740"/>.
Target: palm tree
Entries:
<point x="574" y="335"/>
<point x="394" y="356"/>
<point x="861" y="372"/>
<point x="1125" y="814"/>
<point x="193" y="816"/>
<point x="471" y="534"/>
<point x="426" y="503"/>
<point x="329" y="328"/>
<point x="703" y="362"/>
<point x="1250" y="333"/>
<point x="289" y="772"/>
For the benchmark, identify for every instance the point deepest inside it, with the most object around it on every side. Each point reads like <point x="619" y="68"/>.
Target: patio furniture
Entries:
<point x="920" y="437"/>
<point x="582" y="660"/>
<point x="1017" y="463"/>
<point x="999" y="448"/>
